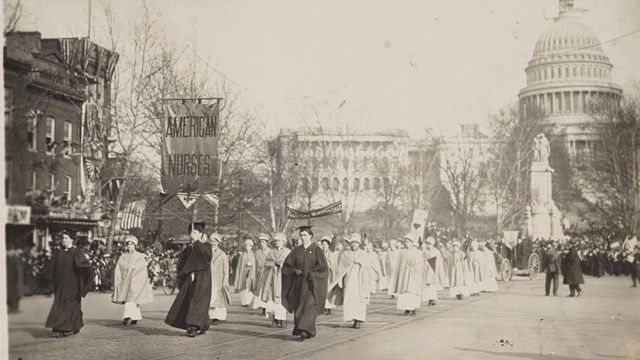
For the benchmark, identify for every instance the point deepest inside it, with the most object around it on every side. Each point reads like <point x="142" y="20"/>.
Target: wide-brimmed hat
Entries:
<point x="455" y="243"/>
<point x="263" y="236"/>
<point x="248" y="241"/>
<point x="355" y="237"/>
<point x="409" y="237"/>
<point x="430" y="240"/>
<point x="215" y="237"/>
<point x="327" y="239"/>
<point x="132" y="239"/>
<point x="280" y="236"/>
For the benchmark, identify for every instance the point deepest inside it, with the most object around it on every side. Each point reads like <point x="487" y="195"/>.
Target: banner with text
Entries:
<point x="327" y="210"/>
<point x="190" y="148"/>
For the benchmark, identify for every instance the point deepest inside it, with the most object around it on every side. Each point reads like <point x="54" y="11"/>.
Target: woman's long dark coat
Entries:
<point x="191" y="306"/>
<point x="70" y="276"/>
<point x="572" y="270"/>
<point x="305" y="294"/>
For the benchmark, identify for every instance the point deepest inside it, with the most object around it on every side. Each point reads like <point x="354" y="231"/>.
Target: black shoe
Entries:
<point x="264" y="312"/>
<point x="580" y="293"/>
<point x="407" y="312"/>
<point x="134" y="322"/>
<point x="432" y="303"/>
<point x="282" y="323"/>
<point x="328" y="311"/>
<point x="215" y="321"/>
<point x="571" y="295"/>
<point x="126" y="321"/>
<point x="274" y="323"/>
<point x="546" y="294"/>
<point x="413" y="313"/>
<point x="303" y="336"/>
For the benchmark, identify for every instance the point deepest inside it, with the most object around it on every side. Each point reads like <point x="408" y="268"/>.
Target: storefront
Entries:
<point x="19" y="232"/>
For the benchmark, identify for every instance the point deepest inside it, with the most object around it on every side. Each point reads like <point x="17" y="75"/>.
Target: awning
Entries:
<point x="56" y="224"/>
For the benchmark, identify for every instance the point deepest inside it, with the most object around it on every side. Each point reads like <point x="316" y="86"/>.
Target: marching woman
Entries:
<point x="219" y="281"/>
<point x="131" y="285"/>
<point x="433" y="271"/>
<point x="270" y="287"/>
<point x="408" y="278"/>
<point x="332" y="263"/>
<point x="457" y="287"/>
<point x="246" y="274"/>
<point x="70" y="273"/>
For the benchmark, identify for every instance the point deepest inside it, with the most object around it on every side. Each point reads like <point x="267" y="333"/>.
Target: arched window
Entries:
<point x="566" y="72"/>
<point x="50" y="136"/>
<point x="376" y="184"/>
<point x="575" y="72"/>
<point x="325" y="184"/>
<point x="582" y="71"/>
<point x="345" y="184"/>
<point x="356" y="184"/>
<point x="336" y="184"/>
<point x="367" y="184"/>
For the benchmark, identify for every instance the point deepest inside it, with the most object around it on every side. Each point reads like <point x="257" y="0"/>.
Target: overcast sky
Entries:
<point x="402" y="64"/>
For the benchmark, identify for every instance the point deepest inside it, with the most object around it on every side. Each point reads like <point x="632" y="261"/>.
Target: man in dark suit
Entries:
<point x="551" y="265"/>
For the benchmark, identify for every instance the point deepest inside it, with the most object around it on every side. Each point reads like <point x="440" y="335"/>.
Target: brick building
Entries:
<point x="56" y="94"/>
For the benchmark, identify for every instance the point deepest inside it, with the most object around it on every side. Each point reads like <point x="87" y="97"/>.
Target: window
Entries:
<point x="367" y="184"/>
<point x="325" y="184"/>
<point x="52" y="182"/>
<point x="376" y="184"/>
<point x="345" y="184"/>
<point x="50" y="138"/>
<point x="69" y="187"/>
<point x="34" y="180"/>
<point x="68" y="135"/>
<point x="31" y="120"/>
<point x="356" y="184"/>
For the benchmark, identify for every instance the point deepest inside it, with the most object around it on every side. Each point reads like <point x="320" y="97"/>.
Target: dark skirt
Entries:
<point x="65" y="315"/>
<point x="191" y="306"/>
<point x="305" y="316"/>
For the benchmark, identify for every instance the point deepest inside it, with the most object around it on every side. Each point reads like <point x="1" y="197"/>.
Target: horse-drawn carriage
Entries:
<point x="522" y="258"/>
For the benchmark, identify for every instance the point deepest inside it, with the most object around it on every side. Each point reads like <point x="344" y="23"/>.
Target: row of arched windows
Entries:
<point x="567" y="72"/>
<point x="367" y="184"/>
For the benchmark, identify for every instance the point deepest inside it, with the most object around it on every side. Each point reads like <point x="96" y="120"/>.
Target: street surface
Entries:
<point x="517" y="322"/>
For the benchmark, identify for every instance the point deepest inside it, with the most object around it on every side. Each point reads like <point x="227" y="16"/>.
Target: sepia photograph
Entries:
<point x="337" y="179"/>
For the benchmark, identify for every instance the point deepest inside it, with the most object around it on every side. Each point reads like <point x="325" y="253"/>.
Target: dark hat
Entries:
<point x="325" y="240"/>
<point x="197" y="226"/>
<point x="67" y="232"/>
<point x="306" y="228"/>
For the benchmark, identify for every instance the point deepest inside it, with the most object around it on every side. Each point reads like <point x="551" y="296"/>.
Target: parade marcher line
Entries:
<point x="256" y="336"/>
<point x="373" y="331"/>
<point x="323" y="322"/>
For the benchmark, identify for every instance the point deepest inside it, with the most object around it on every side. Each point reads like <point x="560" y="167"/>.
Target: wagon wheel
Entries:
<point x="505" y="270"/>
<point x="534" y="266"/>
<point x="168" y="285"/>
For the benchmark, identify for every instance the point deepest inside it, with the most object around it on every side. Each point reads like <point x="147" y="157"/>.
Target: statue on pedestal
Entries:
<point x="541" y="149"/>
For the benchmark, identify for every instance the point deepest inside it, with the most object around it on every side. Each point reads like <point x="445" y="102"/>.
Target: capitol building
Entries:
<point x="568" y="73"/>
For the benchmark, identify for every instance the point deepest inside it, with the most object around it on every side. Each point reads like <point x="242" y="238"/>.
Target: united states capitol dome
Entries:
<point x="568" y="36"/>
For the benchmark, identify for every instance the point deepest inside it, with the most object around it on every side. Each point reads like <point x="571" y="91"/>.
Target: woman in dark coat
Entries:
<point x="572" y="271"/>
<point x="190" y="309"/>
<point x="70" y="274"/>
<point x="305" y="276"/>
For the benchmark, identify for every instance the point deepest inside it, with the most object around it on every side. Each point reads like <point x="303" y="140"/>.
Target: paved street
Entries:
<point x="603" y="324"/>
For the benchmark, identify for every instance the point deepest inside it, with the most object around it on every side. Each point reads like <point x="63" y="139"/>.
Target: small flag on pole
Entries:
<point x="131" y="215"/>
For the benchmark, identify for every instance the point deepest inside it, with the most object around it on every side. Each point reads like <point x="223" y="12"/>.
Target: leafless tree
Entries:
<point x="509" y="157"/>
<point x="12" y="15"/>
<point x="461" y="162"/>
<point x="613" y="174"/>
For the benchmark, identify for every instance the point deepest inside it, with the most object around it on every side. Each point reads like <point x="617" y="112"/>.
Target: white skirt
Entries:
<point x="430" y="292"/>
<point x="408" y="301"/>
<point x="328" y="305"/>
<point x="246" y="297"/>
<point x="257" y="303"/>
<point x="132" y="311"/>
<point x="278" y="311"/>
<point x="383" y="283"/>
<point x="219" y="313"/>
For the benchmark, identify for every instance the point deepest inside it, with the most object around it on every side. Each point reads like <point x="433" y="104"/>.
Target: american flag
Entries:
<point x="131" y="215"/>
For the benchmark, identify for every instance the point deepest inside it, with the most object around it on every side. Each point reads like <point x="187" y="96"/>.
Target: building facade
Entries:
<point x="49" y="85"/>
<point x="567" y="74"/>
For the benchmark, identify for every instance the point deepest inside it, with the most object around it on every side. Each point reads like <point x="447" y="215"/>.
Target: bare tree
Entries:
<point x="464" y="176"/>
<point x="12" y="15"/>
<point x="613" y="174"/>
<point x="510" y="153"/>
